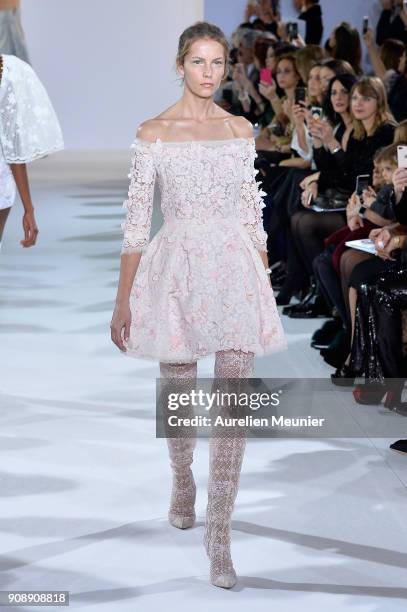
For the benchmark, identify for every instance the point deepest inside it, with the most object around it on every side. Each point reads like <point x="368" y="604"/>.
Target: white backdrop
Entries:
<point x="107" y="65"/>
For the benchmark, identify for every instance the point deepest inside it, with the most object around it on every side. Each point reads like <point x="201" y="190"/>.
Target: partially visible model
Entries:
<point x="29" y="130"/>
<point x="12" y="40"/>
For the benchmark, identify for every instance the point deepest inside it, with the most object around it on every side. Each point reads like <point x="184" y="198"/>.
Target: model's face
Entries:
<point x="325" y="75"/>
<point x="388" y="170"/>
<point x="363" y="107"/>
<point x="339" y="98"/>
<point x="314" y="83"/>
<point x="287" y="78"/>
<point x="271" y="59"/>
<point x="204" y="63"/>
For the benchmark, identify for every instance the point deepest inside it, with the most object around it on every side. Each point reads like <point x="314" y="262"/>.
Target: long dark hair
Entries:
<point x="348" y="81"/>
<point x="348" y="46"/>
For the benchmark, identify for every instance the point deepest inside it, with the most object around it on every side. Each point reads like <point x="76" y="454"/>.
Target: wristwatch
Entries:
<point x="336" y="149"/>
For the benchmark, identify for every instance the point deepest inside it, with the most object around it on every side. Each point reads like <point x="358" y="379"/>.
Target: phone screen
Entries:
<point x="362" y="183"/>
<point x="316" y="112"/>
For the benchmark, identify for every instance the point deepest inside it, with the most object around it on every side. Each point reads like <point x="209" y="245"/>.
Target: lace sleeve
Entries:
<point x="251" y="202"/>
<point x="139" y="203"/>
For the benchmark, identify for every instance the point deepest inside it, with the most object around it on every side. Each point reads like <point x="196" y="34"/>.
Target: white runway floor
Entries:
<point x="318" y="524"/>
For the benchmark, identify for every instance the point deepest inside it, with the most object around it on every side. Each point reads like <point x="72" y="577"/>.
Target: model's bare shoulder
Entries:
<point x="242" y="128"/>
<point x="149" y="130"/>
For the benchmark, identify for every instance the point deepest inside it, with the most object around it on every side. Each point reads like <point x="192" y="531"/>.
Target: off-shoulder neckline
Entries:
<point x="180" y="142"/>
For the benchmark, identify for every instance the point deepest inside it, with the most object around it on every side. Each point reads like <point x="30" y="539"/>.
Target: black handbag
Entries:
<point x="332" y="199"/>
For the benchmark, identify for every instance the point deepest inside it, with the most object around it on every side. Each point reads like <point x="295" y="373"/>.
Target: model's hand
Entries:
<point x="120" y="325"/>
<point x="30" y="229"/>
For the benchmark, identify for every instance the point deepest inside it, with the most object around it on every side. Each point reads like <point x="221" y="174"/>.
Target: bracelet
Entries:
<point x="268" y="270"/>
<point x="397" y="240"/>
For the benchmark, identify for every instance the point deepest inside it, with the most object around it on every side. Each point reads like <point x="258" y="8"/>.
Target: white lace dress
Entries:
<point x="201" y="285"/>
<point x="29" y="128"/>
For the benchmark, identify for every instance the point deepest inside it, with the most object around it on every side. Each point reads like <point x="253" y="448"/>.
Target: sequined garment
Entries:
<point x="201" y="285"/>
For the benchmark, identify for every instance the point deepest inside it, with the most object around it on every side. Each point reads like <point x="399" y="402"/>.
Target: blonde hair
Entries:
<point x="198" y="30"/>
<point x="372" y="87"/>
<point x="400" y="133"/>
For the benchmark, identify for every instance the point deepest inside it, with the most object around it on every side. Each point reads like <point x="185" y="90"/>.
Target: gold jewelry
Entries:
<point x="396" y="241"/>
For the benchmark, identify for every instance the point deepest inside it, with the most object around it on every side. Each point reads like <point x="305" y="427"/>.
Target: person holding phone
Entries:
<point x="311" y="13"/>
<point x="390" y="63"/>
<point x="12" y="39"/>
<point x="392" y="22"/>
<point x="336" y="127"/>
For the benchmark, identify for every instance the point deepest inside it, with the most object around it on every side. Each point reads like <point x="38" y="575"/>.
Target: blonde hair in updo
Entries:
<point x="198" y="30"/>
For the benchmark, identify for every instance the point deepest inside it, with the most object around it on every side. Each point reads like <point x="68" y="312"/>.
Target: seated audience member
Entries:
<point x="335" y="130"/>
<point x="344" y="44"/>
<point x="334" y="266"/>
<point x="392" y="22"/>
<point x="389" y="64"/>
<point x="306" y="58"/>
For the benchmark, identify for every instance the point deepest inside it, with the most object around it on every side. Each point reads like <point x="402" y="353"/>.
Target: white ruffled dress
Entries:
<point x="29" y="128"/>
<point x="201" y="285"/>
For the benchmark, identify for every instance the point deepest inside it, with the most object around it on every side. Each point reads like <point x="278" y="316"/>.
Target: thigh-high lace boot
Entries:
<point x="180" y="378"/>
<point x="226" y="451"/>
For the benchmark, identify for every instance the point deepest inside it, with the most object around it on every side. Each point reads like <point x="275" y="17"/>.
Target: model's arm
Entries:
<point x="29" y="224"/>
<point x="251" y="202"/>
<point x="136" y="227"/>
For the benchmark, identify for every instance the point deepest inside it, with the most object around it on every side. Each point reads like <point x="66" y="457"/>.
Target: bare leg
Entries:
<point x="181" y="379"/>
<point x="225" y="461"/>
<point x="4" y="212"/>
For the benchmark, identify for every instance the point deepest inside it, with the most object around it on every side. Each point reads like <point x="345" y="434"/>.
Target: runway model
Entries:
<point x="12" y="39"/>
<point x="201" y="285"/>
<point x="29" y="130"/>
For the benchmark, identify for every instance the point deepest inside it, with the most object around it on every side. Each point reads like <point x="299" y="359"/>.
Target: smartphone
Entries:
<point x="402" y="156"/>
<point x="405" y="5"/>
<point x="362" y="183"/>
<point x="292" y="30"/>
<point x="365" y="24"/>
<point x="316" y="112"/>
<point x="300" y="94"/>
<point x="266" y="75"/>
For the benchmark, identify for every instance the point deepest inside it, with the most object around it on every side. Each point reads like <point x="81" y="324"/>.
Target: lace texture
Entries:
<point x="29" y="128"/>
<point x="225" y="460"/>
<point x="139" y="202"/>
<point x="200" y="285"/>
<point x="181" y="379"/>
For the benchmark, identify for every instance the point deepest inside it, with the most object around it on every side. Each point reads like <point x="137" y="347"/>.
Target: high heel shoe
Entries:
<point x="344" y="377"/>
<point x="182" y="512"/>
